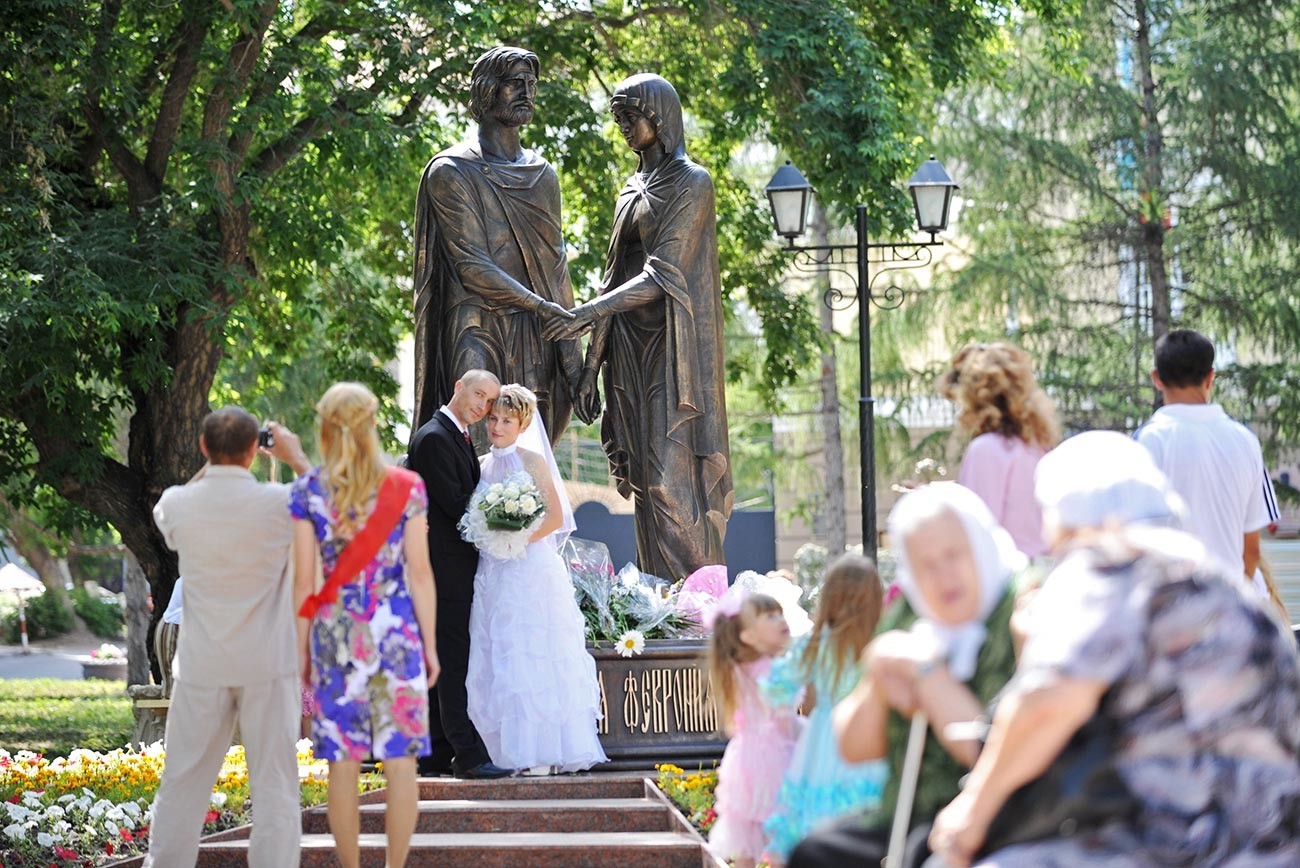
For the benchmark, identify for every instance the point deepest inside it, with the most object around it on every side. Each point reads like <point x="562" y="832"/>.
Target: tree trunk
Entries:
<point x="832" y="442"/>
<point x="137" y="621"/>
<point x="1153" y="204"/>
<point x="30" y="540"/>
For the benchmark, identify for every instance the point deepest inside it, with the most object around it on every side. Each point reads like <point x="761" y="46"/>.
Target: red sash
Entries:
<point x="390" y="502"/>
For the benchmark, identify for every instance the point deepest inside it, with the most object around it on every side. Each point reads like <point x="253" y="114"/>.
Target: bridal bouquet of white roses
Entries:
<point x="502" y="516"/>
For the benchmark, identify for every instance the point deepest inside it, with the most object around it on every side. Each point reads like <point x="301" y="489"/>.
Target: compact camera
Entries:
<point x="264" y="438"/>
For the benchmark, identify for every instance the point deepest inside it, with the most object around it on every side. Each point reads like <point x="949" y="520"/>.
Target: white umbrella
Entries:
<point x="16" y="579"/>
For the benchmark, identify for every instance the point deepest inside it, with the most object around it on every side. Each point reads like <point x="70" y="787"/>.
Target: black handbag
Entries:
<point x="1081" y="790"/>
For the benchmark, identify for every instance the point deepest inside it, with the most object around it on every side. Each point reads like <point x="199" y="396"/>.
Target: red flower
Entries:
<point x="141" y="832"/>
<point x="126" y="835"/>
<point x="64" y="853"/>
<point x="14" y="799"/>
<point x="212" y="817"/>
<point x="108" y="847"/>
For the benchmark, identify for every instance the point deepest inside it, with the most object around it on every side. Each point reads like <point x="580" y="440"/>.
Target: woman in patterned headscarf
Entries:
<point x="1199" y="681"/>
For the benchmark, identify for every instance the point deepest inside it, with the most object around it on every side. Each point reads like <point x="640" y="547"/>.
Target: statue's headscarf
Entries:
<point x="997" y="560"/>
<point x="655" y="98"/>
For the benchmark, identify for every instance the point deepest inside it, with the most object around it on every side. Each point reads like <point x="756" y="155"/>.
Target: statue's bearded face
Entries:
<point x="516" y="95"/>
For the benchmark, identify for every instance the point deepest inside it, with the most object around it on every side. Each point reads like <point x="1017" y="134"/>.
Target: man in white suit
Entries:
<point x="236" y="661"/>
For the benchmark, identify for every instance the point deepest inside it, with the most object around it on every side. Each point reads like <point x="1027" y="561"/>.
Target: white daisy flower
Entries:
<point x="630" y="643"/>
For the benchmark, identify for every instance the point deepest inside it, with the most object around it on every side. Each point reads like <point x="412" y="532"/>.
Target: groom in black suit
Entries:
<point x="442" y="454"/>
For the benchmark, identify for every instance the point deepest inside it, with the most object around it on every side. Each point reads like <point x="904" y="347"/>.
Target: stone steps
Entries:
<point x="522" y="849"/>
<point x="578" y="821"/>
<point x="515" y="815"/>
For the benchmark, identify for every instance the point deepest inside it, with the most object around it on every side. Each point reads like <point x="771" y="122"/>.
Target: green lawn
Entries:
<point x="54" y="717"/>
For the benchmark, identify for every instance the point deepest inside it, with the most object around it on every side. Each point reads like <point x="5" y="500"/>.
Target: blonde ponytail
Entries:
<point x="352" y="462"/>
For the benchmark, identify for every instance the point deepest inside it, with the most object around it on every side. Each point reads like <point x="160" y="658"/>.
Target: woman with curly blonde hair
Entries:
<point x="1013" y="424"/>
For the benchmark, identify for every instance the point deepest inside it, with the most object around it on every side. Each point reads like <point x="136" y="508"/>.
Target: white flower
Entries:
<point x="108" y="652"/>
<point x="512" y="505"/>
<point x="45" y="839"/>
<point x="67" y="797"/>
<point x="630" y="643"/>
<point x="54" y="812"/>
<point x="111" y="827"/>
<point x="218" y="799"/>
<point x="15" y="832"/>
<point x="527" y="503"/>
<point x="511" y="491"/>
<point x="496" y="488"/>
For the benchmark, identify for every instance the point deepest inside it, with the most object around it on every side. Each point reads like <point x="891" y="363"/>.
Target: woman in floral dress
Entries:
<point x="364" y="651"/>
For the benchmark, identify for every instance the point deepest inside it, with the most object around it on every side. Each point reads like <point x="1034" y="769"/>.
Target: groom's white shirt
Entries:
<point x="460" y="426"/>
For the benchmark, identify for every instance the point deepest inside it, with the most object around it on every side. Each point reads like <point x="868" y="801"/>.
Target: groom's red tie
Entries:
<point x="465" y="434"/>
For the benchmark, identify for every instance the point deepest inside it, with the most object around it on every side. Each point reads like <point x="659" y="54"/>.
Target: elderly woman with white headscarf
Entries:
<point x="1200" y="683"/>
<point x="944" y="649"/>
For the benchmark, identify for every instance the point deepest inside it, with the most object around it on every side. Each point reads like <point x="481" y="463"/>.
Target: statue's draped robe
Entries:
<point x="660" y="342"/>
<point x="488" y="251"/>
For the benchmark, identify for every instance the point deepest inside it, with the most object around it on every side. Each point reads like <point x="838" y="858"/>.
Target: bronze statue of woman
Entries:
<point x="658" y="337"/>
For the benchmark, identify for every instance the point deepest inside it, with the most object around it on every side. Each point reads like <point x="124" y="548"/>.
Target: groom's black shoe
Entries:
<point x="486" y="771"/>
<point x="433" y="770"/>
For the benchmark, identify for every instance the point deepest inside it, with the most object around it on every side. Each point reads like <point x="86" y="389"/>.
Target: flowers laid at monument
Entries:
<point x="90" y="808"/>
<point x="615" y="604"/>
<point x="502" y="516"/>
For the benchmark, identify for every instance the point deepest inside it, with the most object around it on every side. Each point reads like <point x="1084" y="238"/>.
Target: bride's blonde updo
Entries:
<point x="353" y="463"/>
<point x="519" y="402"/>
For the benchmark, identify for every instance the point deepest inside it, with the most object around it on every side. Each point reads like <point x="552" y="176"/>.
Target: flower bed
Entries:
<point x="692" y="792"/>
<point x="91" y="808"/>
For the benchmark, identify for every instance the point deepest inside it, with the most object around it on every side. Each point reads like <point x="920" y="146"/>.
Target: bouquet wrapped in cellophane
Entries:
<point x="502" y="516"/>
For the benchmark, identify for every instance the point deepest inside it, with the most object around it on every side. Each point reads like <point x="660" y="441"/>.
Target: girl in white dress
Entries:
<point x="532" y="689"/>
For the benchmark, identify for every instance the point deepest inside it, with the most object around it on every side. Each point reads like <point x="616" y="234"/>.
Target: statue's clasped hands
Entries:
<point x="568" y="327"/>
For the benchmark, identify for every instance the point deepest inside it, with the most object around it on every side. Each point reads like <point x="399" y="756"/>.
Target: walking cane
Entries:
<point x="907" y="790"/>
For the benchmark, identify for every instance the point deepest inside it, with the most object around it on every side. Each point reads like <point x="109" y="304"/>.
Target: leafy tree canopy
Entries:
<point x="211" y="199"/>
<point x="1164" y="151"/>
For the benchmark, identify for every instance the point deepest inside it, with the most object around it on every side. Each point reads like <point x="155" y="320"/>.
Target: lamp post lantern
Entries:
<point x="932" y="191"/>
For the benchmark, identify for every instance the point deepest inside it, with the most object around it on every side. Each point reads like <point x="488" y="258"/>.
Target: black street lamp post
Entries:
<point x="932" y="191"/>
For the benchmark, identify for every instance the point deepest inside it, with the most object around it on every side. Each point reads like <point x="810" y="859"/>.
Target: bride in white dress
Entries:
<point x="532" y="689"/>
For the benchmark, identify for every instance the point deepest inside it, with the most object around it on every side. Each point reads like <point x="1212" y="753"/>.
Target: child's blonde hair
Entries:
<point x="727" y="651"/>
<point x="848" y="608"/>
<point x="519" y="402"/>
<point x="353" y="463"/>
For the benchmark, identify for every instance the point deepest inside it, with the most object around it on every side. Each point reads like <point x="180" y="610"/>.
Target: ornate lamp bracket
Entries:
<point x="843" y="259"/>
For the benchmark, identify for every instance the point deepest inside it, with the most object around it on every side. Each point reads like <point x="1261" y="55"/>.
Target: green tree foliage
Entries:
<point x="209" y="201"/>
<point x="1148" y="182"/>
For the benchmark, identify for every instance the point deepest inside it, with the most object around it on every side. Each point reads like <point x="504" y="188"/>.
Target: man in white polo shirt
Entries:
<point x="1213" y="461"/>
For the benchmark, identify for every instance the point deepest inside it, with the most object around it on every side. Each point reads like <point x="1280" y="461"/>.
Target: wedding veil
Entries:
<point x="534" y="438"/>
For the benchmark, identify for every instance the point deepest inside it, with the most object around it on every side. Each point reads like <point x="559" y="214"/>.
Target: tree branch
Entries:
<point x="190" y="35"/>
<point x="138" y="183"/>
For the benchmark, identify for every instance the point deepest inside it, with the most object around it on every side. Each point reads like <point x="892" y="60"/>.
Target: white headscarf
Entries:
<point x="997" y="560"/>
<point x="1102" y="477"/>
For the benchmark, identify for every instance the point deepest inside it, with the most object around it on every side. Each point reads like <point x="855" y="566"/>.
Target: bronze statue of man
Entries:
<point x="490" y="263"/>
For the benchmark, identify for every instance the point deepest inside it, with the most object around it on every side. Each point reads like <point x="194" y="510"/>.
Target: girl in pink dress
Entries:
<point x="749" y="630"/>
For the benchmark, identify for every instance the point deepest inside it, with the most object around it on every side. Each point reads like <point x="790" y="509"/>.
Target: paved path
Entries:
<point x="41" y="663"/>
<point x="60" y="657"/>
